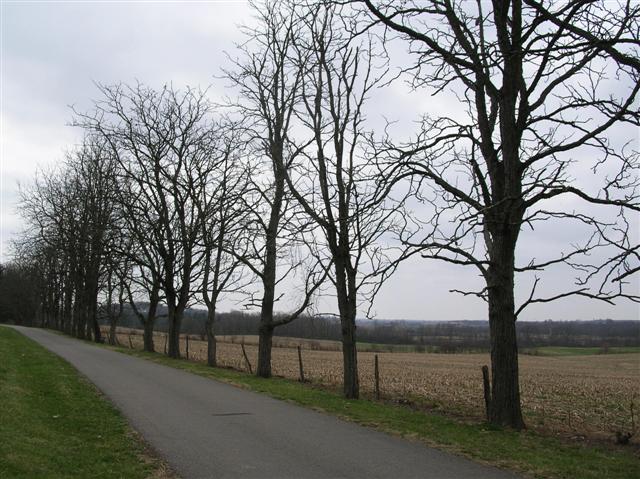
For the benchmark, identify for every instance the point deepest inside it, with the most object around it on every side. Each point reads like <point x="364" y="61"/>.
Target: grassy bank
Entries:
<point x="53" y="423"/>
<point x="528" y="452"/>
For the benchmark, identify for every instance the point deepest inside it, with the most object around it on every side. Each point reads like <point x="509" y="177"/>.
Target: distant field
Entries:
<point x="577" y="351"/>
<point x="569" y="393"/>
<point x="325" y="344"/>
<point x="311" y="344"/>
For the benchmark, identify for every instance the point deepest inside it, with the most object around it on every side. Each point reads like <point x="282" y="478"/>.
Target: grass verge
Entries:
<point x="528" y="452"/>
<point x="53" y="423"/>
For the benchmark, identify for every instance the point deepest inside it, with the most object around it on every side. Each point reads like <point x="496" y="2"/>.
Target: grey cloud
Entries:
<point x="52" y="53"/>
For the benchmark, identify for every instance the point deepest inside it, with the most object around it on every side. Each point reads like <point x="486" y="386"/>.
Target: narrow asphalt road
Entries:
<point x="208" y="429"/>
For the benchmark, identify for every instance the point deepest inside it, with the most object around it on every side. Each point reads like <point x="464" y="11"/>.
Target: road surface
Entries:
<point x="207" y="429"/>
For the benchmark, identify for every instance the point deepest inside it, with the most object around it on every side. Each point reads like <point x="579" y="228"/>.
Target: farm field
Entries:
<point x="579" y="395"/>
<point x="579" y="351"/>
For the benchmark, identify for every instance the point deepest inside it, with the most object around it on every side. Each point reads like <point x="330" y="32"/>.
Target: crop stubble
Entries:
<point x="572" y="395"/>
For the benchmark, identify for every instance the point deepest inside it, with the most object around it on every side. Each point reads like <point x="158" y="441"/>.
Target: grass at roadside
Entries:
<point x="528" y="452"/>
<point x="53" y="423"/>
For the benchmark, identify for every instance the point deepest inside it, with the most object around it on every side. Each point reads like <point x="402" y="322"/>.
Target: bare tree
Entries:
<point x="26" y="285"/>
<point x="333" y="180"/>
<point x="45" y="206"/>
<point x="95" y="167"/>
<point x="140" y="267"/>
<point x="71" y="211"/>
<point x="537" y="109"/>
<point x="160" y="138"/>
<point x="268" y="82"/>
<point x="223" y="223"/>
<point x="113" y="289"/>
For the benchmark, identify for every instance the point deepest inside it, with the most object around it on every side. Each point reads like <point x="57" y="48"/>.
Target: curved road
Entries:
<point x="208" y="429"/>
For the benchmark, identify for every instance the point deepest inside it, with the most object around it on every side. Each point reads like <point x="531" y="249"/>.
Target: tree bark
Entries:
<point x="91" y="290"/>
<point x="175" y="323"/>
<point x="112" y="331"/>
<point x="150" y="321"/>
<point x="147" y="334"/>
<point x="505" y="406"/>
<point x="347" y="309"/>
<point x="265" y="340"/>
<point x="93" y="311"/>
<point x="79" y="315"/>
<point x="264" y="350"/>
<point x="211" y="338"/>
<point x="350" y="360"/>
<point x="67" y="308"/>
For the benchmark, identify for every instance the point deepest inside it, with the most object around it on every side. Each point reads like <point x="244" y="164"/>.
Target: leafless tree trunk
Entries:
<point x="532" y="81"/>
<point x="223" y="226"/>
<point x="269" y="85"/>
<point x="331" y="179"/>
<point x="73" y="211"/>
<point x="160" y="139"/>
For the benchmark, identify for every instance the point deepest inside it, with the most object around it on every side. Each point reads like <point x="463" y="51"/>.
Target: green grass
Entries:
<point x="537" y="455"/>
<point x="53" y="423"/>
<point x="578" y="351"/>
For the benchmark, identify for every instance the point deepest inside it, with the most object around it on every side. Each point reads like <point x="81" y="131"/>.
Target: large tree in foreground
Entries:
<point x="542" y="89"/>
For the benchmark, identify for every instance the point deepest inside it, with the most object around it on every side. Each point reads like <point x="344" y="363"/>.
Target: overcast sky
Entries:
<point x="53" y="52"/>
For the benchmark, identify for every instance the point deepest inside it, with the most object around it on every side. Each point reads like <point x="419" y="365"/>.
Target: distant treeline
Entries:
<point x="451" y="335"/>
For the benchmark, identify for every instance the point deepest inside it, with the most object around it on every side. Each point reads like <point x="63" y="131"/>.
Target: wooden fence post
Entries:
<point x="246" y="358"/>
<point x="377" y="377"/>
<point x="130" y="343"/>
<point x="487" y="390"/>
<point x="300" y="364"/>
<point x="187" y="346"/>
<point x="165" y="342"/>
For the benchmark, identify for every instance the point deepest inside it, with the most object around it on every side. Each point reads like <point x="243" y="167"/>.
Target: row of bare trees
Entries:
<point x="288" y="191"/>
